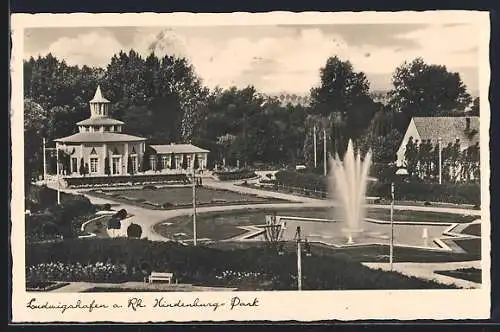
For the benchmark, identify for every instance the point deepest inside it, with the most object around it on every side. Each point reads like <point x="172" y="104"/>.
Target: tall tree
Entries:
<point x="475" y="107"/>
<point x="420" y="89"/>
<point x="343" y="99"/>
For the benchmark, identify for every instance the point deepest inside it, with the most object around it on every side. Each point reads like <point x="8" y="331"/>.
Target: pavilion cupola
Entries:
<point x="99" y="106"/>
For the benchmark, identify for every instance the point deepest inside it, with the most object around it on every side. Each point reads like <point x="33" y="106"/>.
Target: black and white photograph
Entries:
<point x="249" y="166"/>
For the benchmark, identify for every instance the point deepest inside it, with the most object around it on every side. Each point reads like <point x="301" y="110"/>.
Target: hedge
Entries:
<point x="456" y="193"/>
<point x="235" y="175"/>
<point x="123" y="259"/>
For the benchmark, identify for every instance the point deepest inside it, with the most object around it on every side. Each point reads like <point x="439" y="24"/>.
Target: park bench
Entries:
<point x="161" y="276"/>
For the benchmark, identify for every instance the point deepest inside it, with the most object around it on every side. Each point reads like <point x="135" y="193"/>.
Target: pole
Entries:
<point x="44" y="160"/>
<point x="315" y="147"/>
<point x="194" y="208"/>
<point x="391" y="245"/>
<point x="440" y="161"/>
<point x="299" y="261"/>
<point x="58" y="179"/>
<point x="324" y="152"/>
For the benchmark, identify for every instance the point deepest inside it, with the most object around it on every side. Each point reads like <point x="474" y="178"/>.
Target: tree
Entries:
<point x="411" y="153"/>
<point x="107" y="168"/>
<point x="172" y="162"/>
<point x="35" y="128"/>
<point x="130" y="166"/>
<point x="82" y="167"/>
<point x="196" y="162"/>
<point x="134" y="231"/>
<point x="475" y="107"/>
<point x="420" y="89"/>
<point x="383" y="147"/>
<point x="346" y="93"/>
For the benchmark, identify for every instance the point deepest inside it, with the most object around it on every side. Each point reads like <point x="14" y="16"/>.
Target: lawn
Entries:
<point x="474" y="229"/>
<point x="369" y="253"/>
<point x="224" y="225"/>
<point x="470" y="274"/>
<point x="180" y="197"/>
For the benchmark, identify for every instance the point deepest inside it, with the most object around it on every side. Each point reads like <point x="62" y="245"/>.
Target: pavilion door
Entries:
<point x="116" y="165"/>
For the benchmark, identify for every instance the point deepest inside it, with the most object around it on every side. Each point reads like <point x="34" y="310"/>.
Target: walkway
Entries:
<point x="427" y="271"/>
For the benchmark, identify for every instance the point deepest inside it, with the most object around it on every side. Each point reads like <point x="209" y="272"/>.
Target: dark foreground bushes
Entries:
<point x="433" y="192"/>
<point x="50" y="220"/>
<point x="254" y="268"/>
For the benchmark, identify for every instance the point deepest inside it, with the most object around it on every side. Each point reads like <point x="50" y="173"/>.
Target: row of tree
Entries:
<point x="423" y="158"/>
<point x="164" y="100"/>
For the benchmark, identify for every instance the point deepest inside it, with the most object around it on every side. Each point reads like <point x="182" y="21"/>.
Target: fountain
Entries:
<point x="347" y="185"/>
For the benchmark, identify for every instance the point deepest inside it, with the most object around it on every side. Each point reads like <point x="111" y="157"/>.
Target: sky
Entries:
<point x="275" y="59"/>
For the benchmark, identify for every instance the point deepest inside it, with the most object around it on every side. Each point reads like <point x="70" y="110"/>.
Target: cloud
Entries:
<point x="91" y="49"/>
<point x="275" y="62"/>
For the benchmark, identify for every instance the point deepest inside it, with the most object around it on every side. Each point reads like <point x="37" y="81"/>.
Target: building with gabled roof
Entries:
<point x="446" y="129"/>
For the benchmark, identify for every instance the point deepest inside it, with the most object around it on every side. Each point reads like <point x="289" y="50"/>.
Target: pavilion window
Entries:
<point x="106" y="128"/>
<point x="74" y="164"/>
<point x="94" y="165"/>
<point x="164" y="162"/>
<point x="152" y="162"/>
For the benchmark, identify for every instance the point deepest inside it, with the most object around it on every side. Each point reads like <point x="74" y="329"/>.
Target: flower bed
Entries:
<point x="253" y="268"/>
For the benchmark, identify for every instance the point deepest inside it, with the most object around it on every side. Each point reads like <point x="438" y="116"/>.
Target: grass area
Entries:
<point x="180" y="197"/>
<point x="472" y="246"/>
<point x="224" y="225"/>
<point x="474" y="229"/>
<point x="98" y="226"/>
<point x="469" y="274"/>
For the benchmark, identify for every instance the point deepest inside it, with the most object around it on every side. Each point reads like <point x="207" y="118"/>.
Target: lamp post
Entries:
<point x="58" y="177"/>
<point x="194" y="205"/>
<point x="324" y="152"/>
<point x="440" y="161"/>
<point x="314" y="143"/>
<point x="44" y="160"/>
<point x="401" y="171"/>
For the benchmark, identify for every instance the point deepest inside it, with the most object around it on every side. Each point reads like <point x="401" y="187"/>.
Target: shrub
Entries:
<point x="426" y="203"/>
<point x="149" y="187"/>
<point x="167" y="205"/>
<point x="50" y="228"/>
<point x="235" y="175"/>
<point x="449" y="193"/>
<point x="120" y="215"/>
<point x="134" y="231"/>
<point x="106" y="207"/>
<point x="114" y="223"/>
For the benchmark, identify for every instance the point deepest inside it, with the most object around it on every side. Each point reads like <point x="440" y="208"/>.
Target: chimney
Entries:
<point x="467" y="124"/>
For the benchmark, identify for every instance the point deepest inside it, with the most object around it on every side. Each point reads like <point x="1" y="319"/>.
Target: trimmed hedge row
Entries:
<point x="202" y="265"/>
<point x="235" y="175"/>
<point x="448" y="193"/>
